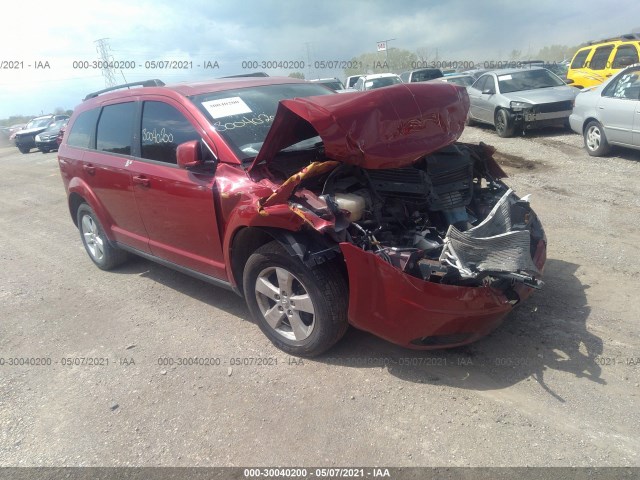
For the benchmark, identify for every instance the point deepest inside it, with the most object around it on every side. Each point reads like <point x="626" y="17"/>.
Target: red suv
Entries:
<point x="322" y="210"/>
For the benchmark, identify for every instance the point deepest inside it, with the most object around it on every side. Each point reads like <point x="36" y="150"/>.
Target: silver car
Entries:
<point x="519" y="99"/>
<point x="609" y="114"/>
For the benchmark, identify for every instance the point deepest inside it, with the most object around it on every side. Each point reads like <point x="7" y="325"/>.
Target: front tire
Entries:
<point x="595" y="140"/>
<point x="302" y="310"/>
<point x="24" y="149"/>
<point x="96" y="243"/>
<point x="504" y="123"/>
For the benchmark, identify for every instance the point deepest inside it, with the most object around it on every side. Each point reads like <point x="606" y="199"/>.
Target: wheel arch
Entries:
<point x="587" y="121"/>
<point x="310" y="247"/>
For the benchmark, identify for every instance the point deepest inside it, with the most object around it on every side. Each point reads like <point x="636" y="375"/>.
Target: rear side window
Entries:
<point x="163" y="129"/>
<point x="600" y="58"/>
<point x="114" y="128"/>
<point x="625" y="55"/>
<point x="578" y="61"/>
<point x="627" y="86"/>
<point x="83" y="129"/>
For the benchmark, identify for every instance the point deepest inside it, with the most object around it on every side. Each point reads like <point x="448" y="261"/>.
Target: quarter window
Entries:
<point x="626" y="86"/>
<point x="163" y="129"/>
<point x="114" y="128"/>
<point x="578" y="61"/>
<point x="83" y="129"/>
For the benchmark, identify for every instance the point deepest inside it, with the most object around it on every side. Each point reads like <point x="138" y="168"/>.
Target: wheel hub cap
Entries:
<point x="285" y="304"/>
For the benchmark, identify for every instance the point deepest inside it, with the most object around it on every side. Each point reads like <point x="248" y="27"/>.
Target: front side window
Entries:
<point x="163" y="129"/>
<point x="480" y="83"/>
<point x="83" y="129"/>
<point x="600" y="58"/>
<point x="625" y="55"/>
<point x="114" y="128"/>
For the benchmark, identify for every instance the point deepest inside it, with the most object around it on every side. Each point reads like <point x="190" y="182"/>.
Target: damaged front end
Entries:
<point x="438" y="250"/>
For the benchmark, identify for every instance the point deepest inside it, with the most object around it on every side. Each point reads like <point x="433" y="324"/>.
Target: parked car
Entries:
<point x="421" y="75"/>
<point x="322" y="210"/>
<point x="47" y="140"/>
<point x="60" y="136"/>
<point x="476" y="73"/>
<point x="460" y="80"/>
<point x="13" y="131"/>
<point x="558" y="68"/>
<point x="333" y="83"/>
<point x="25" y="139"/>
<point x="520" y="99"/>
<point x="351" y="81"/>
<point x="593" y="64"/>
<point x="370" y="82"/>
<point x="609" y="114"/>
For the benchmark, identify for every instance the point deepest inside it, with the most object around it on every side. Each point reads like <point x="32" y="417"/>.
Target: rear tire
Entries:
<point x="105" y="255"/>
<point x="302" y="310"/>
<point x="504" y="123"/>
<point x="595" y="141"/>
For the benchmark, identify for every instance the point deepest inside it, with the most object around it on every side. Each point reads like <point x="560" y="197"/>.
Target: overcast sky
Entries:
<point x="232" y="31"/>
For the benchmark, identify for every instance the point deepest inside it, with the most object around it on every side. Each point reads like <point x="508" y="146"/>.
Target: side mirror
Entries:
<point x="488" y="91"/>
<point x="568" y="81"/>
<point x="188" y="155"/>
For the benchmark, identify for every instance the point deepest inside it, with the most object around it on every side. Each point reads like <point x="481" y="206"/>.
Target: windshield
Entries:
<point x="528" y="80"/>
<point x="38" y="123"/>
<point x="462" y="81"/>
<point x="243" y="116"/>
<point x="56" y="126"/>
<point x="381" y="82"/>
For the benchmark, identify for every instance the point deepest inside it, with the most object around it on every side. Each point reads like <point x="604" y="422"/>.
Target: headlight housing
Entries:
<point x="37" y="138"/>
<point x="519" y="106"/>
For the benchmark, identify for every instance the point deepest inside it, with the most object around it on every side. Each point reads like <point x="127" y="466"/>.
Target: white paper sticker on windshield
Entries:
<point x="225" y="107"/>
<point x="504" y="77"/>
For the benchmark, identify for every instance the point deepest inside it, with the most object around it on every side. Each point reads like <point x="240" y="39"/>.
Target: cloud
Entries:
<point x="232" y="31"/>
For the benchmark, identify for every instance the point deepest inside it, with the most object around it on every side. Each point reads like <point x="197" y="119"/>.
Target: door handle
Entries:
<point x="141" y="180"/>
<point x="90" y="169"/>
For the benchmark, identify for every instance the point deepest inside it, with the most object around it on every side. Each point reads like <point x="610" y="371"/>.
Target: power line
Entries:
<point x="102" y="47"/>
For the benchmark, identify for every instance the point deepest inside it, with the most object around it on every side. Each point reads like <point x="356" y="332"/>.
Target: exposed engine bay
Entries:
<point x="448" y="218"/>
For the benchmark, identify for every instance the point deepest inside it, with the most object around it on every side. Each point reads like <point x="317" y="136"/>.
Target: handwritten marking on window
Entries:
<point x="261" y="119"/>
<point x="156" y="137"/>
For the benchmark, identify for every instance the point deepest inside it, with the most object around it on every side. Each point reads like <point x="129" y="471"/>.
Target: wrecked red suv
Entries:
<point x="321" y="209"/>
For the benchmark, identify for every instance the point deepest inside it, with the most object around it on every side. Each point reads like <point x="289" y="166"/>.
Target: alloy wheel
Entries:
<point x="285" y="304"/>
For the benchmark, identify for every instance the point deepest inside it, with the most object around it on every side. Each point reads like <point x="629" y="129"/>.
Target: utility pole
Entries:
<point x="386" y="47"/>
<point x="308" y="44"/>
<point x="102" y="47"/>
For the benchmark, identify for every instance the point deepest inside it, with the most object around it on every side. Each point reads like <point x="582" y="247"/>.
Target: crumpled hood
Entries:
<point x="543" y="95"/>
<point x="389" y="127"/>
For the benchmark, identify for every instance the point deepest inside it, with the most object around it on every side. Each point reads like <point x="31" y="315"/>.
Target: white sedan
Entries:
<point x="609" y="114"/>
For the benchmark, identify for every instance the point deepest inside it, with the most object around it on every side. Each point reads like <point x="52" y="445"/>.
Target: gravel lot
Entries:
<point x="556" y="385"/>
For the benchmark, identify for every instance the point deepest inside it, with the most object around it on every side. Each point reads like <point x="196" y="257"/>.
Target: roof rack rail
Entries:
<point x="626" y="36"/>
<point x="146" y="83"/>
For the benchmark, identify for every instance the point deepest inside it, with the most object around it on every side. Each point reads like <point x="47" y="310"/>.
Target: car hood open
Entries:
<point x="390" y="127"/>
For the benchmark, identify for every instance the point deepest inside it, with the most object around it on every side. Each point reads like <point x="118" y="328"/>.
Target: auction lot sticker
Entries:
<point x="226" y="107"/>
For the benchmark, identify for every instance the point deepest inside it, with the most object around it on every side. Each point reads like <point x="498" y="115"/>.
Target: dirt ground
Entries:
<point x="556" y="385"/>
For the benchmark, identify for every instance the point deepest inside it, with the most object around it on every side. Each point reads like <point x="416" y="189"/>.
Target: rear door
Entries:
<point x="177" y="205"/>
<point x="104" y="169"/>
